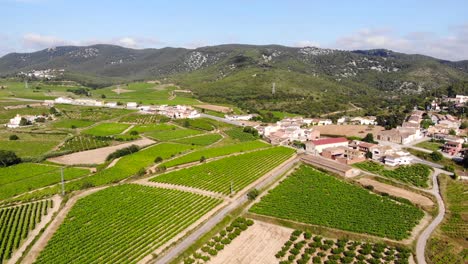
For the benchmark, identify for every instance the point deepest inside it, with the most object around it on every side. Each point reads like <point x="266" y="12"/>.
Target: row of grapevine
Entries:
<point x="303" y="247"/>
<point x="313" y="197"/>
<point x="83" y="142"/>
<point x="203" y="140"/>
<point x="235" y="171"/>
<point x="143" y="119"/>
<point x="131" y="221"/>
<point x="16" y="222"/>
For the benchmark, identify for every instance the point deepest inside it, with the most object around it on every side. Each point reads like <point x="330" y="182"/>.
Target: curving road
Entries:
<point x="422" y="239"/>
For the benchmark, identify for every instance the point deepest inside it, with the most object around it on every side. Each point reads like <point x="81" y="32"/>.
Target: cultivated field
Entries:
<point x="30" y="144"/>
<point x="258" y="244"/>
<point x="237" y="133"/>
<point x="348" y="130"/>
<point x="217" y="108"/>
<point x="96" y="156"/>
<point x="143" y="119"/>
<point x="236" y="171"/>
<point x="173" y="134"/>
<point x="72" y="123"/>
<point x="16" y="222"/>
<point x="132" y="221"/>
<point x="83" y="142"/>
<point x="106" y="129"/>
<point x="216" y="152"/>
<point x="313" y="197"/>
<point x="203" y="140"/>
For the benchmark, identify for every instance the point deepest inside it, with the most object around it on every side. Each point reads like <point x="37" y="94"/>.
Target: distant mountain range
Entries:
<point x="246" y="72"/>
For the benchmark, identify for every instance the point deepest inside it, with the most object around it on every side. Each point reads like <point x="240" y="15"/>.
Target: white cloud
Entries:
<point x="306" y="43"/>
<point x="195" y="44"/>
<point x="38" y="41"/>
<point x="451" y="46"/>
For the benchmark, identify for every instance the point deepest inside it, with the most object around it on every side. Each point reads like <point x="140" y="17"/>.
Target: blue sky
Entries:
<point x="436" y="28"/>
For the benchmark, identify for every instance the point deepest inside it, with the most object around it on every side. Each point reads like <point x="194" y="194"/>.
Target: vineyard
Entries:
<point x="216" y="152"/>
<point x="90" y="113"/>
<point x="199" y="123"/>
<point x="416" y="174"/>
<point x="16" y="223"/>
<point x="132" y="221"/>
<point x="106" y="129"/>
<point x="313" y="197"/>
<point x="153" y="127"/>
<point x="143" y="119"/>
<point x="83" y="142"/>
<point x="203" y="140"/>
<point x="72" y="123"/>
<point x="239" y="134"/>
<point x="239" y="171"/>
<point x="173" y="134"/>
<point x="24" y="177"/>
<point x="303" y="247"/>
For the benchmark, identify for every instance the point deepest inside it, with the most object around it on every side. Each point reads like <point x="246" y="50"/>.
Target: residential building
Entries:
<point x="452" y="147"/>
<point x="317" y="146"/>
<point x="132" y="105"/>
<point x="239" y="117"/>
<point x="398" y="158"/>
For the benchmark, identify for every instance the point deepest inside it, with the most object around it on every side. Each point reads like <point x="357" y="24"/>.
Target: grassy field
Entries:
<point x="433" y="146"/>
<point x="218" y="175"/>
<point x="25" y="177"/>
<point x="416" y="174"/>
<point x="106" y="129"/>
<point x="313" y="197"/>
<point x="72" y="123"/>
<point x="443" y="162"/>
<point x="448" y="244"/>
<point x="16" y="223"/>
<point x="132" y="222"/>
<point x="152" y="127"/>
<point x="173" y="134"/>
<point x="203" y="140"/>
<point x="91" y="113"/>
<point x="6" y="115"/>
<point x="29" y="144"/>
<point x="199" y="123"/>
<point x="216" y="152"/>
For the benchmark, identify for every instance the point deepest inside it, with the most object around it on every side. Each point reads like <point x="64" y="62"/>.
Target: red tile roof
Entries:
<point x="326" y="141"/>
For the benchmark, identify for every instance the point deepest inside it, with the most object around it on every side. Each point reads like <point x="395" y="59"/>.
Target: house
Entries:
<point x="344" y="155"/>
<point x="361" y="145"/>
<point x="111" y="104"/>
<point x="63" y="100"/>
<point x="239" y="117"/>
<point x="317" y="146"/>
<point x="132" y="105"/>
<point x="452" y="147"/>
<point x="398" y="158"/>
<point x="368" y="120"/>
<point x="380" y="152"/>
<point x="341" y="120"/>
<point x="16" y="121"/>
<point x="400" y="135"/>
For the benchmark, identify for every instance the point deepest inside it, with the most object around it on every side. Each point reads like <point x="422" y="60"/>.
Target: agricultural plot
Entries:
<point x="16" y="222"/>
<point x="303" y="247"/>
<point x="152" y="127"/>
<point x="430" y="145"/>
<point x="216" y="152"/>
<point x="106" y="129"/>
<point x="88" y="113"/>
<point x="83" y="142"/>
<point x="313" y="197"/>
<point x="416" y="174"/>
<point x="203" y="140"/>
<point x="5" y="115"/>
<point x="237" y="133"/>
<point x="132" y="221"/>
<point x="143" y="119"/>
<point x="240" y="171"/>
<point x="166" y="135"/>
<point x="25" y="177"/>
<point x="30" y="144"/>
<point x="72" y="123"/>
<point x="199" y="123"/>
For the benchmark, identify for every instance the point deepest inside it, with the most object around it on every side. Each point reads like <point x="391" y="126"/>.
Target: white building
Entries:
<point x="317" y="146"/>
<point x="15" y="121"/>
<point x="398" y="158"/>
<point x="111" y="104"/>
<point x="238" y="117"/>
<point x="63" y="100"/>
<point x="132" y="105"/>
<point x="370" y="120"/>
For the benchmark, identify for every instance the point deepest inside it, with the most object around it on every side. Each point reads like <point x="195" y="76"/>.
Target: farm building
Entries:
<point x="332" y="166"/>
<point x="317" y="146"/>
<point x="398" y="158"/>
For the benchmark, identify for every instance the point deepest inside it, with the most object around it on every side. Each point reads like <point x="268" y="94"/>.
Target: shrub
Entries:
<point x="123" y="152"/>
<point x="158" y="159"/>
<point x="13" y="137"/>
<point x="436" y="156"/>
<point x="252" y="194"/>
<point x="133" y="133"/>
<point x="8" y="158"/>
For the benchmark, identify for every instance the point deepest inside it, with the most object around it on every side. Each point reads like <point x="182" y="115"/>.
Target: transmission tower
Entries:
<point x="273" y="88"/>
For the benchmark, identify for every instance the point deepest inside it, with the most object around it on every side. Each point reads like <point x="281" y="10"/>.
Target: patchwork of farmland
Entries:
<point x="132" y="221"/>
<point x="313" y="197"/>
<point x="106" y="129"/>
<point x="240" y="170"/>
<point x="16" y="222"/>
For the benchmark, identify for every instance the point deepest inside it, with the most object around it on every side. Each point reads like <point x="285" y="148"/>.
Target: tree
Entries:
<point x="133" y="133"/>
<point x="464" y="125"/>
<point x="368" y="155"/>
<point x="186" y="123"/>
<point x="369" y="138"/>
<point x="202" y="158"/>
<point x="452" y="132"/>
<point x="426" y="123"/>
<point x="158" y="159"/>
<point x="436" y="156"/>
<point x="24" y="122"/>
<point x="103" y="96"/>
<point x="13" y="137"/>
<point x="8" y="158"/>
<point x="53" y="110"/>
<point x="252" y="194"/>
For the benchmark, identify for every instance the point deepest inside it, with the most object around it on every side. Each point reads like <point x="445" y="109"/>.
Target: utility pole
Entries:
<point x="26" y="84"/>
<point x="63" y="183"/>
<point x="273" y="88"/>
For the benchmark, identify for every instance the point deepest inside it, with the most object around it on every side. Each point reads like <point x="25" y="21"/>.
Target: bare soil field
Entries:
<point x="96" y="156"/>
<point x="413" y="197"/>
<point x="258" y="244"/>
<point x="217" y="108"/>
<point x="122" y="91"/>
<point x="348" y="130"/>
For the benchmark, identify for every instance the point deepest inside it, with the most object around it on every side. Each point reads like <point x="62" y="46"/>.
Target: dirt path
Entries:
<point x="146" y="182"/>
<point x="382" y="187"/>
<point x="126" y="130"/>
<point x="96" y="156"/>
<point x="32" y="235"/>
<point x="258" y="244"/>
<point x="354" y="108"/>
<point x="54" y="225"/>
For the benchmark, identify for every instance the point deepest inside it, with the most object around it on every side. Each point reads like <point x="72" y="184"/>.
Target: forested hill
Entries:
<point x="304" y="77"/>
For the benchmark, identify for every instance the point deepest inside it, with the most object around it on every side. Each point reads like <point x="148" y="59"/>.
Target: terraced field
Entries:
<point x="132" y="222"/>
<point x="24" y="177"/>
<point x="203" y="140"/>
<point x="16" y="222"/>
<point x="313" y="197"/>
<point x="216" y="152"/>
<point x="218" y="175"/>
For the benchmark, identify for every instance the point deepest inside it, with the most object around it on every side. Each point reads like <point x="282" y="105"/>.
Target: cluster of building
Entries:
<point x="366" y="120"/>
<point x="177" y="111"/>
<point x="348" y="152"/>
<point x="289" y="130"/>
<point x="443" y="124"/>
<point x="408" y="132"/>
<point x="24" y="120"/>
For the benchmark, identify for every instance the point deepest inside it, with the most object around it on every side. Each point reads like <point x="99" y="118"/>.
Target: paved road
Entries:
<point x="422" y="239"/>
<point x="182" y="246"/>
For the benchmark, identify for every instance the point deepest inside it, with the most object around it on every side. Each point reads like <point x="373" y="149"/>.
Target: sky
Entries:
<point x="435" y="28"/>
